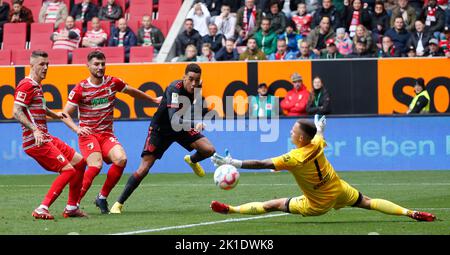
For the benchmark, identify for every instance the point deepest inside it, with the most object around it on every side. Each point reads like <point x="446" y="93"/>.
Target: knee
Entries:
<point x="96" y="164"/>
<point x="121" y="161"/>
<point x="208" y="151"/>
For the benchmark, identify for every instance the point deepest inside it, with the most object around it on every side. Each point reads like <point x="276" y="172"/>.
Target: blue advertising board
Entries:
<point x="354" y="143"/>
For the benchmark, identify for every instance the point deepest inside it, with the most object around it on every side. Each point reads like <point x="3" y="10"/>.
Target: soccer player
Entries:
<point x="50" y="152"/>
<point x="168" y="126"/>
<point x="94" y="97"/>
<point x="316" y="177"/>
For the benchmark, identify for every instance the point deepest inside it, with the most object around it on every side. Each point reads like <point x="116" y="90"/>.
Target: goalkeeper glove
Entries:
<point x="219" y="160"/>
<point x="320" y="123"/>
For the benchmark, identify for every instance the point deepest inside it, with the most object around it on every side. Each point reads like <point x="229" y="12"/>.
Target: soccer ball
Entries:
<point x="226" y="177"/>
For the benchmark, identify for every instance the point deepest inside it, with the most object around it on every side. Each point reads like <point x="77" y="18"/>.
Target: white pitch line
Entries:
<point x="241" y="184"/>
<point x="200" y="224"/>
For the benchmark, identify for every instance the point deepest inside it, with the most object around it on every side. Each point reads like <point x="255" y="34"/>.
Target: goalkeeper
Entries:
<point x="322" y="188"/>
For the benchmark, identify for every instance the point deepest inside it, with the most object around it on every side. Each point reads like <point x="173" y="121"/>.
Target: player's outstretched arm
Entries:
<point x="245" y="164"/>
<point x="141" y="95"/>
<point x="68" y="110"/>
<point x="55" y="115"/>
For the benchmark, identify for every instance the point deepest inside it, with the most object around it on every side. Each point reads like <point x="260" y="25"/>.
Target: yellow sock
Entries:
<point x="388" y="207"/>
<point x="250" y="208"/>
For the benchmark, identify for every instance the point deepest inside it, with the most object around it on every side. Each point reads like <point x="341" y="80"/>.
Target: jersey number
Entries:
<point x="319" y="173"/>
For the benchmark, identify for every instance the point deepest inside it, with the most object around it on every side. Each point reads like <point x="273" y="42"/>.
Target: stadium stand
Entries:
<point x="121" y="3"/>
<point x="139" y="8"/>
<point x="141" y="54"/>
<point x="34" y="6"/>
<point x="5" y="57"/>
<point x="113" y="55"/>
<point x="20" y="57"/>
<point x="15" y="36"/>
<point x="58" y="56"/>
<point x="104" y="24"/>
<point x="162" y="24"/>
<point x="40" y="36"/>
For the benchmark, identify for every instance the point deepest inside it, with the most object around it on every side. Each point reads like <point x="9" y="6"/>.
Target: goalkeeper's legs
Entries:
<point x="388" y="207"/>
<point x="135" y="179"/>
<point x="253" y="208"/>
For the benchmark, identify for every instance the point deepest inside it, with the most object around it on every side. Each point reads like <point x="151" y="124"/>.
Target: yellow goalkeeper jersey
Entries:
<point x="312" y="171"/>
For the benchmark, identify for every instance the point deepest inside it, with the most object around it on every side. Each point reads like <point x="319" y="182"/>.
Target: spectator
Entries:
<point x="433" y="16"/>
<point x="214" y="6"/>
<point x="207" y="53"/>
<point x="188" y="36"/>
<point x="389" y="5"/>
<point x="302" y="20"/>
<point x="411" y="53"/>
<point x="235" y="5"/>
<point x="277" y="18"/>
<point x="420" y="38"/>
<point x="311" y="5"/>
<point x="95" y="37"/>
<point x="361" y="50"/>
<point x="327" y="9"/>
<point x="190" y="55"/>
<point x="380" y="16"/>
<point x="294" y="104"/>
<point x="248" y="21"/>
<point x="378" y="33"/>
<point x="227" y="53"/>
<point x="282" y="52"/>
<point x="356" y="15"/>
<point x="149" y="35"/>
<point x="252" y="52"/>
<point x="331" y="52"/>
<point x="110" y="12"/>
<point x="343" y="42"/>
<point x="433" y="49"/>
<point x="292" y="38"/>
<point x="122" y="36"/>
<point x="53" y="11"/>
<point x="225" y="22"/>
<point x="68" y="37"/>
<point x="388" y="49"/>
<point x="263" y="105"/>
<point x="421" y="102"/>
<point x="266" y="38"/>
<point x="305" y="52"/>
<point x="399" y="35"/>
<point x="444" y="42"/>
<point x="200" y="16"/>
<point x="319" y="101"/>
<point x="407" y="12"/>
<point x="213" y="38"/>
<point x="319" y="35"/>
<point x="4" y="11"/>
<point x="362" y="32"/>
<point x="84" y="11"/>
<point x="20" y="13"/>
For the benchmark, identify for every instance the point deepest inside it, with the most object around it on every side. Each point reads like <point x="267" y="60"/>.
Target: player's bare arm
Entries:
<point x="68" y="110"/>
<point x="258" y="164"/>
<point x="141" y="95"/>
<point x="20" y="116"/>
<point x="55" y="115"/>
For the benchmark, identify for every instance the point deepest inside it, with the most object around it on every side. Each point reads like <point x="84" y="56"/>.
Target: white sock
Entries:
<point x="71" y="207"/>
<point x="43" y="207"/>
<point x="101" y="196"/>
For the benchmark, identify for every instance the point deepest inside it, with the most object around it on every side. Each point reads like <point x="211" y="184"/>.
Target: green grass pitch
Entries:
<point x="169" y="204"/>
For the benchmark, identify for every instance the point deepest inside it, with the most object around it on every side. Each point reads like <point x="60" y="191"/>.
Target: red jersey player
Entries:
<point x="94" y="98"/>
<point x="49" y="151"/>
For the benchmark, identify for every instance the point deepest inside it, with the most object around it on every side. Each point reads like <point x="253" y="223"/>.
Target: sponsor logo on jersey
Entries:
<point x="71" y="95"/>
<point x="21" y="96"/>
<point x="61" y="158"/>
<point x="90" y="146"/>
<point x="96" y="102"/>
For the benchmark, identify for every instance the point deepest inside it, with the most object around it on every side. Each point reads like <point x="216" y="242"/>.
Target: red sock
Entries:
<point x="114" y="174"/>
<point x="76" y="183"/>
<point x="88" y="178"/>
<point x="57" y="186"/>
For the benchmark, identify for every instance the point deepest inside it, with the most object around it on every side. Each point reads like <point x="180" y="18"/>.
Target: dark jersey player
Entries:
<point x="172" y="122"/>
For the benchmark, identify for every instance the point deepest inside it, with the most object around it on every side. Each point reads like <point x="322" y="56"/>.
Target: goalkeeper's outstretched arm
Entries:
<point x="258" y="164"/>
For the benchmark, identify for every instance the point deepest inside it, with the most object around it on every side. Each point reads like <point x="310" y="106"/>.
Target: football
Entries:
<point x="226" y="177"/>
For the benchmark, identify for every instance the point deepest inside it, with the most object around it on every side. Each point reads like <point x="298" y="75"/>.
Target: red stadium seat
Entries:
<point x="104" y="24"/>
<point x="168" y="11"/>
<point x="139" y="8"/>
<point x="5" y="57"/>
<point x="114" y="54"/>
<point x="14" y="36"/>
<point x="162" y="24"/>
<point x="134" y="24"/>
<point x="35" y="7"/>
<point x="58" y="57"/>
<point x="79" y="55"/>
<point x="40" y="36"/>
<point x="141" y="54"/>
<point x="20" y="57"/>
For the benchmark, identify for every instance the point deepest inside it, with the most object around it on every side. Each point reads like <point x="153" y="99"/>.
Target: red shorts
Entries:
<point x="53" y="156"/>
<point x="102" y="143"/>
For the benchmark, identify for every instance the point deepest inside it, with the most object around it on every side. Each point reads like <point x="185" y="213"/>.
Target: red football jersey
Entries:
<point x="96" y="103"/>
<point x="29" y="94"/>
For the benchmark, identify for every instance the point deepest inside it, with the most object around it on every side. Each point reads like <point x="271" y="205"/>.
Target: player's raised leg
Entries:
<point x="204" y="149"/>
<point x="253" y="208"/>
<point x="118" y="158"/>
<point x="391" y="208"/>
<point x="133" y="182"/>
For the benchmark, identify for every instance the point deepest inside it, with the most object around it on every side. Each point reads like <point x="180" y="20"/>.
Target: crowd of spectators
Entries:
<point x="313" y="29"/>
